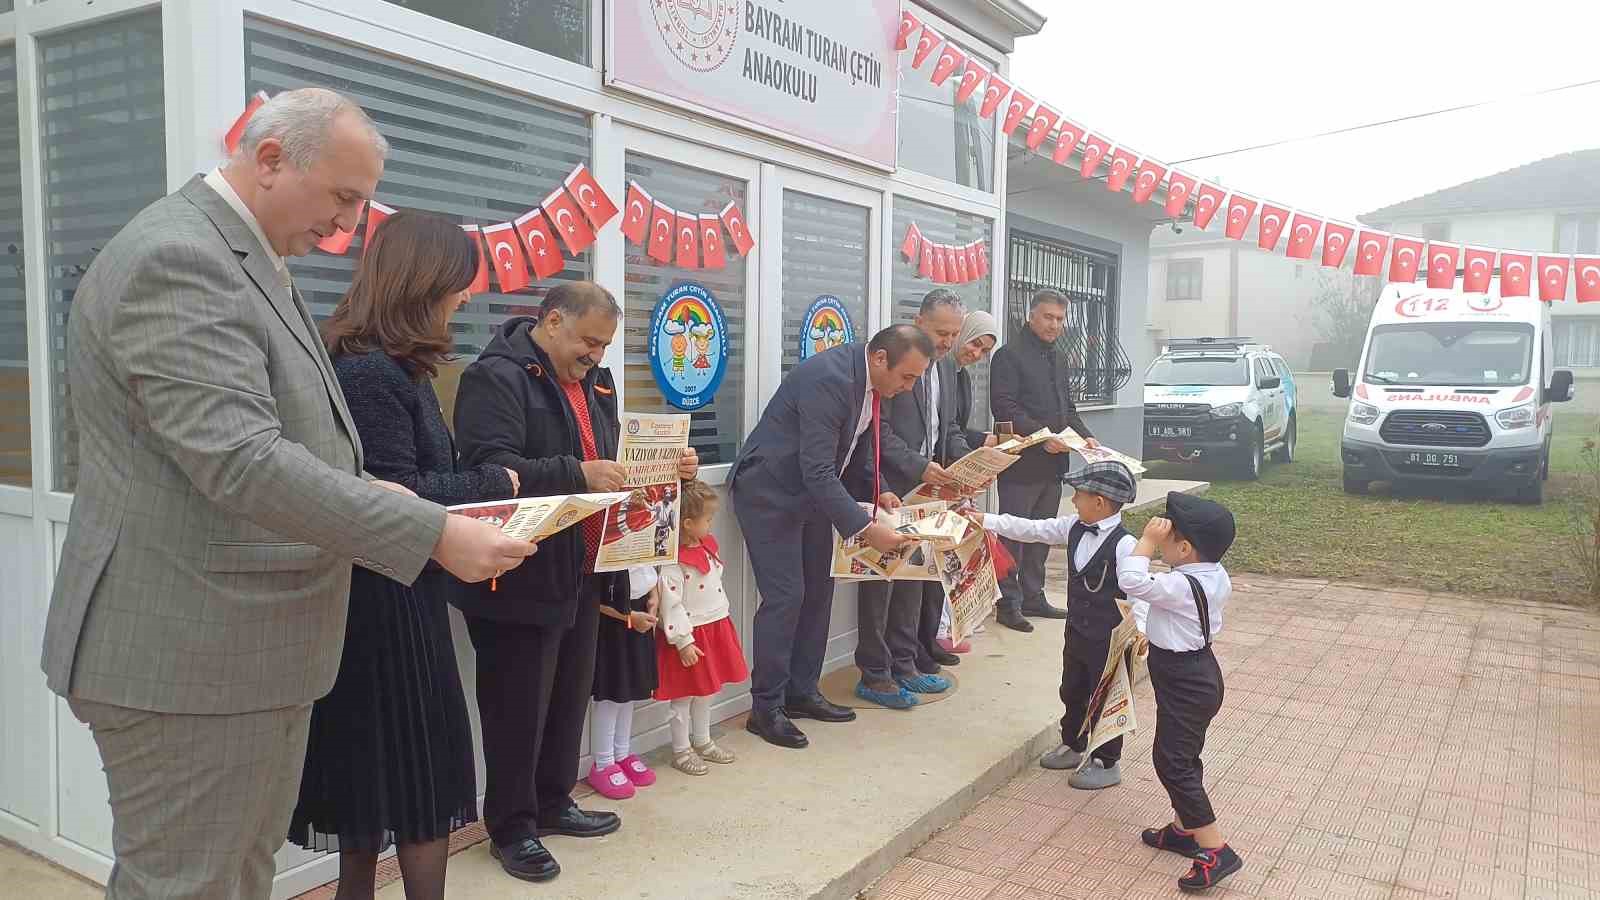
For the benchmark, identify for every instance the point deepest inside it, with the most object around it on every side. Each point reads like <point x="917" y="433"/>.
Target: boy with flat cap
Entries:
<point x="1096" y="546"/>
<point x="1180" y="612"/>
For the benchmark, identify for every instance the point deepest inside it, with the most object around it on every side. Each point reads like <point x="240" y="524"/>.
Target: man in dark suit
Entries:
<point x="789" y="499"/>
<point x="897" y="650"/>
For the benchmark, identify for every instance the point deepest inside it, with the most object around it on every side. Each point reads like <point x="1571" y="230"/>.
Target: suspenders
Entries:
<point x="1201" y="605"/>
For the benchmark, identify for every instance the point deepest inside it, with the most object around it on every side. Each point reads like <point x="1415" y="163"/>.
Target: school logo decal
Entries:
<point x="826" y="325"/>
<point x="688" y="346"/>
<point x="700" y="33"/>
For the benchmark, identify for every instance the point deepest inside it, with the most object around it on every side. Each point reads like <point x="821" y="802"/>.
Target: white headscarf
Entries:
<point x="977" y="324"/>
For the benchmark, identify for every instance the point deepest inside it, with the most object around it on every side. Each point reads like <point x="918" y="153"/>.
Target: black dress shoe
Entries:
<point x="526" y="859"/>
<point x="943" y="658"/>
<point x="1043" y="611"/>
<point x="1013" y="620"/>
<point x="575" y="822"/>
<point x="775" y="728"/>
<point x="818" y="707"/>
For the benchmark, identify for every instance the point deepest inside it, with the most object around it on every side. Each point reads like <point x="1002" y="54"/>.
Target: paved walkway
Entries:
<point x="1373" y="744"/>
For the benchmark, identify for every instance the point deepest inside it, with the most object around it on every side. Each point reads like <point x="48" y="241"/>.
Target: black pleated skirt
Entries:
<point x="624" y="663"/>
<point x="389" y="758"/>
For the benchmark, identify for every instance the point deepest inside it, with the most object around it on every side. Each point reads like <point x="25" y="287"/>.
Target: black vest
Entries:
<point x="1092" y="593"/>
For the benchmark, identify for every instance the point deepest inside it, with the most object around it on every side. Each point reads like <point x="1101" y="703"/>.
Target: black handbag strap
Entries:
<point x="1201" y="605"/>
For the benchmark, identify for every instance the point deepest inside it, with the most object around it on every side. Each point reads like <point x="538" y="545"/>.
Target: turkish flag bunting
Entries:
<point x="959" y="255"/>
<point x="230" y="141"/>
<point x="925" y="44"/>
<point x="983" y="259"/>
<point x="662" y="218"/>
<point x="1044" y="119"/>
<point x="1302" y="236"/>
<point x="711" y="246"/>
<point x="1442" y="259"/>
<point x="539" y="240"/>
<point x="376" y="213"/>
<point x="1335" y="243"/>
<point x="1147" y="179"/>
<point x="1016" y="108"/>
<point x="571" y="225"/>
<point x="1095" y="149"/>
<point x="687" y="239"/>
<point x="1068" y="134"/>
<point x="925" y="262"/>
<point x="972" y="260"/>
<point x="1207" y="200"/>
<point x="995" y="91"/>
<point x="912" y="243"/>
<point x="1514" y="274"/>
<point x="1477" y="270"/>
<point x="1553" y="273"/>
<point x="1123" y="161"/>
<point x="595" y="203"/>
<point x="734" y="220"/>
<point x="1179" y="189"/>
<point x="505" y="250"/>
<point x="1587" y="270"/>
<point x="973" y="77"/>
<point x="1405" y="258"/>
<point x="938" y="263"/>
<point x="1240" y="211"/>
<point x="950" y="59"/>
<point x="636" y="223"/>
<point x="480" y="281"/>
<point x="338" y="242"/>
<point x="908" y="24"/>
<point x="1273" y="218"/>
<point x="1370" y="250"/>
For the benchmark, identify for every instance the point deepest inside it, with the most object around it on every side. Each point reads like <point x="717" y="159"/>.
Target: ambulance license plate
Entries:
<point x="1433" y="460"/>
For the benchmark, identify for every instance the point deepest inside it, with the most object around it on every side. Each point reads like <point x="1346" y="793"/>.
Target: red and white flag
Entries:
<point x="995" y="91"/>
<point x="662" y="220"/>
<point x="972" y="260"/>
<point x="338" y="242"/>
<point x="938" y="264"/>
<point x="595" y="202"/>
<point x="1068" y="134"/>
<point x="1123" y="161"/>
<point x="925" y="44"/>
<point x="1477" y="270"/>
<point x="1147" y="179"/>
<point x="1336" y="243"/>
<point x="959" y="255"/>
<point x="1273" y="219"/>
<point x="1044" y="119"/>
<point x="711" y="246"/>
<point x="688" y="241"/>
<point x="950" y="59"/>
<point x="1371" y="247"/>
<point x="1587" y="271"/>
<point x="1240" y="210"/>
<point x="1017" y="107"/>
<point x="1095" y="149"/>
<point x="908" y="24"/>
<point x="1405" y="258"/>
<point x="571" y="225"/>
<point x="983" y="259"/>
<point x="1302" y="236"/>
<point x="1207" y="202"/>
<point x="1179" y="188"/>
<point x="925" y="262"/>
<point x="1516" y="274"/>
<point x="1442" y="259"/>
<point x="480" y="281"/>
<point x="972" y="78"/>
<point x="733" y="219"/>
<point x="376" y="213"/>
<point x="230" y="141"/>
<point x="912" y="243"/>
<point x="636" y="222"/>
<point x="539" y="240"/>
<point x="1553" y="274"/>
<point x="505" y="251"/>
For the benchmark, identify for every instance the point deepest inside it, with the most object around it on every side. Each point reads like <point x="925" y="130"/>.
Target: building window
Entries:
<point x="557" y="27"/>
<point x="16" y="457"/>
<point x="1097" y="365"/>
<point x="939" y="137"/>
<point x="1436" y="231"/>
<point x="824" y="255"/>
<point x="1184" y="277"/>
<point x="1578" y="233"/>
<point x="103" y="144"/>
<point x="1577" y="342"/>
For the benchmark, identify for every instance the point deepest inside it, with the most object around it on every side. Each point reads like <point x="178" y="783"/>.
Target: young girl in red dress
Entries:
<point x="698" y="649"/>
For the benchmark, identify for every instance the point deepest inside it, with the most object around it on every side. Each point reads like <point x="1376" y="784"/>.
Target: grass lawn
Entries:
<point x="1297" y="521"/>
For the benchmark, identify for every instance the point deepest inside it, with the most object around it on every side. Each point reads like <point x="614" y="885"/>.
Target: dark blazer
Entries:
<point x="975" y="436"/>
<point x="791" y="462"/>
<point x="905" y="426"/>
<point x="1028" y="387"/>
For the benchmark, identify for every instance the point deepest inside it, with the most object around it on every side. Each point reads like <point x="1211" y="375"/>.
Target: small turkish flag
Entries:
<point x="1095" y="149"/>
<point x="376" y="213"/>
<point x="1442" y="265"/>
<point x="539" y="240"/>
<point x="636" y="223"/>
<point x="480" y="281"/>
<point x="950" y="59"/>
<point x="230" y="141"/>
<point x="711" y="242"/>
<point x="1016" y="108"/>
<point x="1240" y="210"/>
<point x="925" y="44"/>
<point x="912" y="243"/>
<point x="995" y="91"/>
<point x="1122" y="162"/>
<point x="734" y="220"/>
<point x="1068" y="134"/>
<point x="1370" y="250"/>
<point x="1208" y="199"/>
<point x="1514" y="274"/>
<point x="662" y="218"/>
<point x="974" y="257"/>
<point x="1147" y="179"/>
<point x="1405" y="259"/>
<point x="1553" y="274"/>
<point x="938" y="264"/>
<point x="687" y="238"/>
<point x="1044" y="119"/>
<point x="571" y="225"/>
<point x="925" y="263"/>
<point x="959" y="256"/>
<point x="1302" y="236"/>
<point x="1477" y="270"/>
<point x="1335" y="243"/>
<point x="1587" y="269"/>
<point x="338" y="242"/>
<point x="506" y="252"/>
<point x="908" y="24"/>
<point x="974" y="76"/>
<point x="594" y="202"/>
<point x="1179" y="189"/>
<point x="1273" y="218"/>
<point x="983" y="259"/>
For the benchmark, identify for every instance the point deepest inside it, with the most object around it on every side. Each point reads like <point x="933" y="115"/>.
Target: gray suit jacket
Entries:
<point x="905" y="426"/>
<point x="220" y="501"/>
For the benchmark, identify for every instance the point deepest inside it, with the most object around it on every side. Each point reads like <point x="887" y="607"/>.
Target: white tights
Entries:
<point x="690" y="714"/>
<point x="610" y="730"/>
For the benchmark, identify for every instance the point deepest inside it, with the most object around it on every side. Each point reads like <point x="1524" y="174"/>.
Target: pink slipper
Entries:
<point x="611" y="782"/>
<point x="948" y="647"/>
<point x="637" y="772"/>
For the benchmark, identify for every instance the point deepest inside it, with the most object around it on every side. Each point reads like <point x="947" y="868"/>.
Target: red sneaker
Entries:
<point x="1210" y="867"/>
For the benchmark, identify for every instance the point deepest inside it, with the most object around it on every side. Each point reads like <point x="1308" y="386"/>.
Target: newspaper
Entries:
<point x="536" y="518"/>
<point x="643" y="529"/>
<point x="902" y="563"/>
<point x="973" y="473"/>
<point x="1111" y="713"/>
<point x="1017" y="444"/>
<point x="1098" y="454"/>
<point x="967" y="571"/>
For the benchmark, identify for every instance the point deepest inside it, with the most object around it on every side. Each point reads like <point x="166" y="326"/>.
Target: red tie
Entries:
<point x="877" y="457"/>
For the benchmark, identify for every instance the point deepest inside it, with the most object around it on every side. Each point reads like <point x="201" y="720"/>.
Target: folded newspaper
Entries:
<point x="967" y="571"/>
<point x="1020" y="443"/>
<point x="911" y="560"/>
<point x="1102" y="453"/>
<point x="973" y="473"/>
<point x="536" y="518"/>
<point x="1111" y="713"/>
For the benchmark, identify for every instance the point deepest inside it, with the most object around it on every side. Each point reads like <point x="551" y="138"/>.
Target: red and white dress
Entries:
<point x="694" y="610"/>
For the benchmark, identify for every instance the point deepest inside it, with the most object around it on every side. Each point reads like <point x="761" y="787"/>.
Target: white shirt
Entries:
<point x="1058" y="531"/>
<point x="932" y="439"/>
<point x="1164" y="604"/>
<point x="864" y="420"/>
<point x="216" y="182"/>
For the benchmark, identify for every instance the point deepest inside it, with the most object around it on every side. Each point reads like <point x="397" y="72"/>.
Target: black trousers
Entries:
<point x="789" y="636"/>
<point x="887" y="622"/>
<point x="928" y="625"/>
<point x="533" y="693"/>
<point x="1024" y="584"/>
<point x="1188" y="688"/>
<point x="1083" y="658"/>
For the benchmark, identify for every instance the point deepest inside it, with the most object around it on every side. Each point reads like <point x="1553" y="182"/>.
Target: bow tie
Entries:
<point x="1084" y="528"/>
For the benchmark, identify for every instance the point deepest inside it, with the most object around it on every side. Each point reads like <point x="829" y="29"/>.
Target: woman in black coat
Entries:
<point x="389" y="758"/>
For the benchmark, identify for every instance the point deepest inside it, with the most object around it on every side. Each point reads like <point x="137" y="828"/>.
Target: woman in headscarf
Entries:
<point x="978" y="339"/>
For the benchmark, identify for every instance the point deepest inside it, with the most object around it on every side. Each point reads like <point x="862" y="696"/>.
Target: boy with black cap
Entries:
<point x="1179" y="612"/>
<point x="1096" y="545"/>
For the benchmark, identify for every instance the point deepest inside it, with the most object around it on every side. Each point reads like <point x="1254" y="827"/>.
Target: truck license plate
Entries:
<point x="1450" y="460"/>
<point x="1169" y="431"/>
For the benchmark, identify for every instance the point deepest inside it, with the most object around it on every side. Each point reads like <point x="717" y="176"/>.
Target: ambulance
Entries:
<point x="1453" y="388"/>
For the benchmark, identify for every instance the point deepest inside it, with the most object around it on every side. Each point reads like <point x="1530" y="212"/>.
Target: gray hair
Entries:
<point x="1047" y="296"/>
<point x="300" y="120"/>
<point x="938" y="297"/>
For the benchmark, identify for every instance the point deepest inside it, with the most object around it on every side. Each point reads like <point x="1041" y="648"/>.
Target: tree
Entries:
<point x="1342" y="308"/>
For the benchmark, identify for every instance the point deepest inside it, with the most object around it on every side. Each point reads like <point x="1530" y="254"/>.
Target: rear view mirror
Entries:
<point x="1560" y="389"/>
<point x="1270" y="382"/>
<point x="1341" y="382"/>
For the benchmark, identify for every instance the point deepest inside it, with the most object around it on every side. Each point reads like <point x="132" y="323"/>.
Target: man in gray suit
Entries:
<point x="200" y="604"/>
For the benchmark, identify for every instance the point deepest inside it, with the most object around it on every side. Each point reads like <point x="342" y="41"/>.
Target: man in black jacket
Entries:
<point x="538" y="403"/>
<point x="1028" y="387"/>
